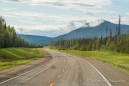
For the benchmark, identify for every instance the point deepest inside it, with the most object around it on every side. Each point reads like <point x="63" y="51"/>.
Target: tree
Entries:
<point x="119" y="28"/>
<point x="106" y="30"/>
<point x="8" y="37"/>
<point x="111" y="33"/>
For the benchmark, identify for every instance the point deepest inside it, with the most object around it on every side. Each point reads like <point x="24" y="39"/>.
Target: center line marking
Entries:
<point x="59" y="76"/>
<point x="51" y="84"/>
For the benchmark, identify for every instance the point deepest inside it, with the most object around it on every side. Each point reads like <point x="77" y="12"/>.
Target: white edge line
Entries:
<point x="98" y="72"/>
<point x="24" y="73"/>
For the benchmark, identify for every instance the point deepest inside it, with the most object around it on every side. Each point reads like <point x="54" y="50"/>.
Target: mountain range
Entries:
<point x="88" y="30"/>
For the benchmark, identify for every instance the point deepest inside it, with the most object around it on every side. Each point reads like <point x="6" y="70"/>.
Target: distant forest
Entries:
<point x="118" y="43"/>
<point x="8" y="37"/>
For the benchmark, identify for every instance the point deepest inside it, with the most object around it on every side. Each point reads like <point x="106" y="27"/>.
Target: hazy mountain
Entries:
<point x="94" y="29"/>
<point x="36" y="39"/>
<point x="88" y="30"/>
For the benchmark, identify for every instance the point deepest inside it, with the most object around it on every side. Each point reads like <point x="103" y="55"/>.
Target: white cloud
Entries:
<point x="87" y="6"/>
<point x="60" y="29"/>
<point x="72" y="3"/>
<point x="28" y="14"/>
<point x="9" y="9"/>
<point x="83" y="5"/>
<point x="56" y="18"/>
<point x="9" y="15"/>
<point x="30" y="22"/>
<point x="52" y="30"/>
<point x="17" y="1"/>
<point x="127" y="14"/>
<point x="69" y="3"/>
<point x="71" y="22"/>
<point x="40" y="27"/>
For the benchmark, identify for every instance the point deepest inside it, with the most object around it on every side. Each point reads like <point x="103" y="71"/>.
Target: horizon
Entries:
<point x="55" y="18"/>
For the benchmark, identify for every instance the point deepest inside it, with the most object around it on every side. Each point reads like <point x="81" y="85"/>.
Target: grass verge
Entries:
<point x="119" y="61"/>
<point x="11" y="57"/>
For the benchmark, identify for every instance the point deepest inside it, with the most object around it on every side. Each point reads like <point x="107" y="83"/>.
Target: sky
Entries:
<point x="56" y="17"/>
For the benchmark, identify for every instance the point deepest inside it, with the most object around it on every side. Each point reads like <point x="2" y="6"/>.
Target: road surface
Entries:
<point x="69" y="70"/>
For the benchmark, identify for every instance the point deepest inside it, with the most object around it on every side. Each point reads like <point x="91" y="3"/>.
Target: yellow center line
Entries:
<point x="59" y="76"/>
<point x="51" y="84"/>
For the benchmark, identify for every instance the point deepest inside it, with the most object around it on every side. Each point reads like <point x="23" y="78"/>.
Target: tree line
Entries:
<point x="118" y="43"/>
<point x="8" y="37"/>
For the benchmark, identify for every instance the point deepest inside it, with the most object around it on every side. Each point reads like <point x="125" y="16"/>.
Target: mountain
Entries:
<point x="88" y="30"/>
<point x="94" y="29"/>
<point x="36" y="39"/>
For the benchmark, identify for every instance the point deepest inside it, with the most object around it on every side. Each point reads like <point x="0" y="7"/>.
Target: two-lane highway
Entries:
<point x="65" y="70"/>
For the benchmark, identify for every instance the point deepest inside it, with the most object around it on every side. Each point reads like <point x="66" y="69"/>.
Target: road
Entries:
<point x="69" y="70"/>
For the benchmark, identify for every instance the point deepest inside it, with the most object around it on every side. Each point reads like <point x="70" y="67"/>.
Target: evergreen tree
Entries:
<point x="119" y="28"/>
<point x="8" y="37"/>
<point x="110" y="32"/>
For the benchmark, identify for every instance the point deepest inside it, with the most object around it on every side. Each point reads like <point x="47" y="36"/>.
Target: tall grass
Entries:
<point x="10" y="57"/>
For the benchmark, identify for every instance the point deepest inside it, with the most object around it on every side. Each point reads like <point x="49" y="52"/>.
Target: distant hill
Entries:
<point x="88" y="30"/>
<point x="36" y="39"/>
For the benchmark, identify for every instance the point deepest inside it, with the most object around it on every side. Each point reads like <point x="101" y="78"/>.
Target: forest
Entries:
<point x="117" y="43"/>
<point x="9" y="38"/>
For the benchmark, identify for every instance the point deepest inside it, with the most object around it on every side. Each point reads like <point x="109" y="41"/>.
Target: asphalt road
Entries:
<point x="68" y="70"/>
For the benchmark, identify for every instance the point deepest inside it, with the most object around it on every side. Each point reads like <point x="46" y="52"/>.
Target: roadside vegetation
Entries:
<point x="11" y="57"/>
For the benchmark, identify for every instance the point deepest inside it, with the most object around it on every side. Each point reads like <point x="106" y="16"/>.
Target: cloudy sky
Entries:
<point x="56" y="17"/>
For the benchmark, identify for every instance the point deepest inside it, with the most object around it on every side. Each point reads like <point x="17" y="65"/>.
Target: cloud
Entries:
<point x="13" y="0"/>
<point x="30" y="22"/>
<point x="65" y="23"/>
<point x="90" y="7"/>
<point x="83" y="5"/>
<point x="28" y="14"/>
<point x="57" y="29"/>
<point x="72" y="3"/>
<point x="9" y="9"/>
<point x="9" y="16"/>
<point x="48" y="17"/>
<point x="45" y="30"/>
<point x="127" y="13"/>
<point x="17" y="1"/>
<point x="40" y="27"/>
<point x="62" y="18"/>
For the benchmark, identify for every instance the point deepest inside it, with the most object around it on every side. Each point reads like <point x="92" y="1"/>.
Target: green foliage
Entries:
<point x="8" y="37"/>
<point x="10" y="57"/>
<point x="118" y="43"/>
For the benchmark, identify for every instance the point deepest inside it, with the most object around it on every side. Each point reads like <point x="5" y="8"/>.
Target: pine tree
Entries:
<point x="111" y="33"/>
<point x="106" y="30"/>
<point x="119" y="28"/>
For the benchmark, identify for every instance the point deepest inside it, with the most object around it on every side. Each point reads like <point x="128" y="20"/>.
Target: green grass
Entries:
<point x="11" y="57"/>
<point x="114" y="59"/>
